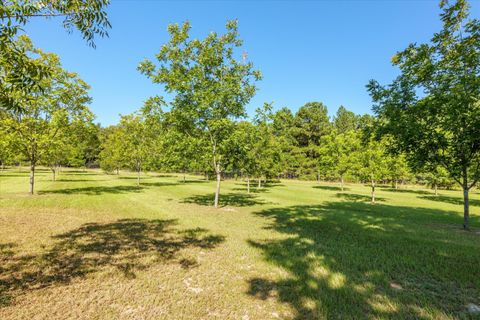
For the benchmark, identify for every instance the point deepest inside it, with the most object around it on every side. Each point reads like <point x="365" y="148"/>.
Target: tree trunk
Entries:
<point x="248" y="184"/>
<point x="184" y="180"/>
<point x="435" y="186"/>
<point x="341" y="182"/>
<point x="206" y="176"/>
<point x="466" y="213"/>
<point x="373" y="191"/>
<point x="118" y="172"/>
<point x="32" y="176"/>
<point x="53" y="173"/>
<point x="396" y="184"/>
<point x="259" y="183"/>
<point x="138" y="177"/>
<point x="217" y="190"/>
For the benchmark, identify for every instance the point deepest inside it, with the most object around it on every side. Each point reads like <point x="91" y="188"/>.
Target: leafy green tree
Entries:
<point x="19" y="74"/>
<point x="111" y="155"/>
<point x="432" y="108"/>
<point x="210" y="87"/>
<point x="345" y="120"/>
<point x="397" y="168"/>
<point x="339" y="152"/>
<point x="373" y="163"/>
<point x="266" y="148"/>
<point x="283" y="124"/>
<point x="47" y="113"/>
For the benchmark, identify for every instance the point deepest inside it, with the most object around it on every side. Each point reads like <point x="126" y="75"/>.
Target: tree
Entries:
<point x="112" y="149"/>
<point x="47" y="112"/>
<point x="19" y="75"/>
<point x="210" y="87"/>
<point x="345" y="120"/>
<point x="432" y="108"/>
<point x="266" y="149"/>
<point x="340" y="153"/>
<point x="373" y="163"/>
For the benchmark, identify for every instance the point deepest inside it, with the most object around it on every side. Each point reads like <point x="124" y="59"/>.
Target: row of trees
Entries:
<point x="427" y="120"/>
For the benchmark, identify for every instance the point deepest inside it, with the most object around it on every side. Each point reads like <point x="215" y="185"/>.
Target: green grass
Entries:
<point x="95" y="246"/>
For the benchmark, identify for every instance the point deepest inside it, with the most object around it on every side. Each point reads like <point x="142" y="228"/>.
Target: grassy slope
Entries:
<point x="95" y="246"/>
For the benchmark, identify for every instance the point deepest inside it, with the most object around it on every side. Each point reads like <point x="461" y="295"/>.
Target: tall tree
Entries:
<point x="345" y="120"/>
<point x="432" y="108"/>
<point x="49" y="111"/>
<point x="210" y="86"/>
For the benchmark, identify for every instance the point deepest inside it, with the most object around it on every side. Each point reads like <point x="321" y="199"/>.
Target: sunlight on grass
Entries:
<point x="297" y="250"/>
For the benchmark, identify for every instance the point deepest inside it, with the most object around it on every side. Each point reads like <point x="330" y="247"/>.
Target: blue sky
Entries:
<point x="307" y="50"/>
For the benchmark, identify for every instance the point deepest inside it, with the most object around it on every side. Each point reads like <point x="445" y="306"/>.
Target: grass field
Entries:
<point x="94" y="246"/>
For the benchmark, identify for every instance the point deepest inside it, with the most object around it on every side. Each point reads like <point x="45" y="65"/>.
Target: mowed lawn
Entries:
<point x="94" y="246"/>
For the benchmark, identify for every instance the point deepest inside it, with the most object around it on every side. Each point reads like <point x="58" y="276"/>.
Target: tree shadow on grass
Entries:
<point x="331" y="188"/>
<point x="265" y="188"/>
<point x="358" y="197"/>
<point x="123" y="247"/>
<point x="405" y="190"/>
<point x="229" y="199"/>
<point x="98" y="190"/>
<point x="451" y="200"/>
<point x="352" y="260"/>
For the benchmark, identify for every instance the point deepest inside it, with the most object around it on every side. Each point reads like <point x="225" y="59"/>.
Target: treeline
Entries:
<point x="305" y="145"/>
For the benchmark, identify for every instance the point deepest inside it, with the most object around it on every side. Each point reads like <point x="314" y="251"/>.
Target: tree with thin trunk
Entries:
<point x="432" y="108"/>
<point x="373" y="164"/>
<point x="210" y="85"/>
<point x="339" y="153"/>
<point x="48" y="112"/>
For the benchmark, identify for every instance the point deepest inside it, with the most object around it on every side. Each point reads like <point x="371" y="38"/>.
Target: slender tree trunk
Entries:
<point x="248" y="184"/>
<point x="259" y="183"/>
<point x="53" y="173"/>
<point x="373" y="191"/>
<point x="217" y="190"/>
<point x="466" y="208"/>
<point x="396" y="184"/>
<point x="32" y="176"/>
<point x="3" y="166"/>
<point x="118" y="172"/>
<point x="138" y="176"/>
<point x="184" y="180"/>
<point x="341" y="182"/>
<point x="206" y="176"/>
<point x="435" y="186"/>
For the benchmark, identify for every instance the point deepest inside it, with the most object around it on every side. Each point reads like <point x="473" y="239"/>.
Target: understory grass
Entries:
<point x="96" y="246"/>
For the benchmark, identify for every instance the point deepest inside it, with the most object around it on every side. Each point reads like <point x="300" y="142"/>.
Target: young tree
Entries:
<point x="46" y="113"/>
<point x="111" y="155"/>
<point x="373" y="163"/>
<point x="340" y="153"/>
<point x="432" y="108"/>
<point x="211" y="87"/>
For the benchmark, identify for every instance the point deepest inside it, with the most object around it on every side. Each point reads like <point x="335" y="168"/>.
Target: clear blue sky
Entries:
<point x="307" y="50"/>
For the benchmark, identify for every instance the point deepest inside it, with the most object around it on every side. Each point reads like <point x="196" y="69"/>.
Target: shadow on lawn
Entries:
<point x="358" y="197"/>
<point x="344" y="260"/>
<point x="405" y="190"/>
<point x="125" y="246"/>
<point x="98" y="190"/>
<point x="331" y="188"/>
<point x="451" y="200"/>
<point x="229" y="199"/>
